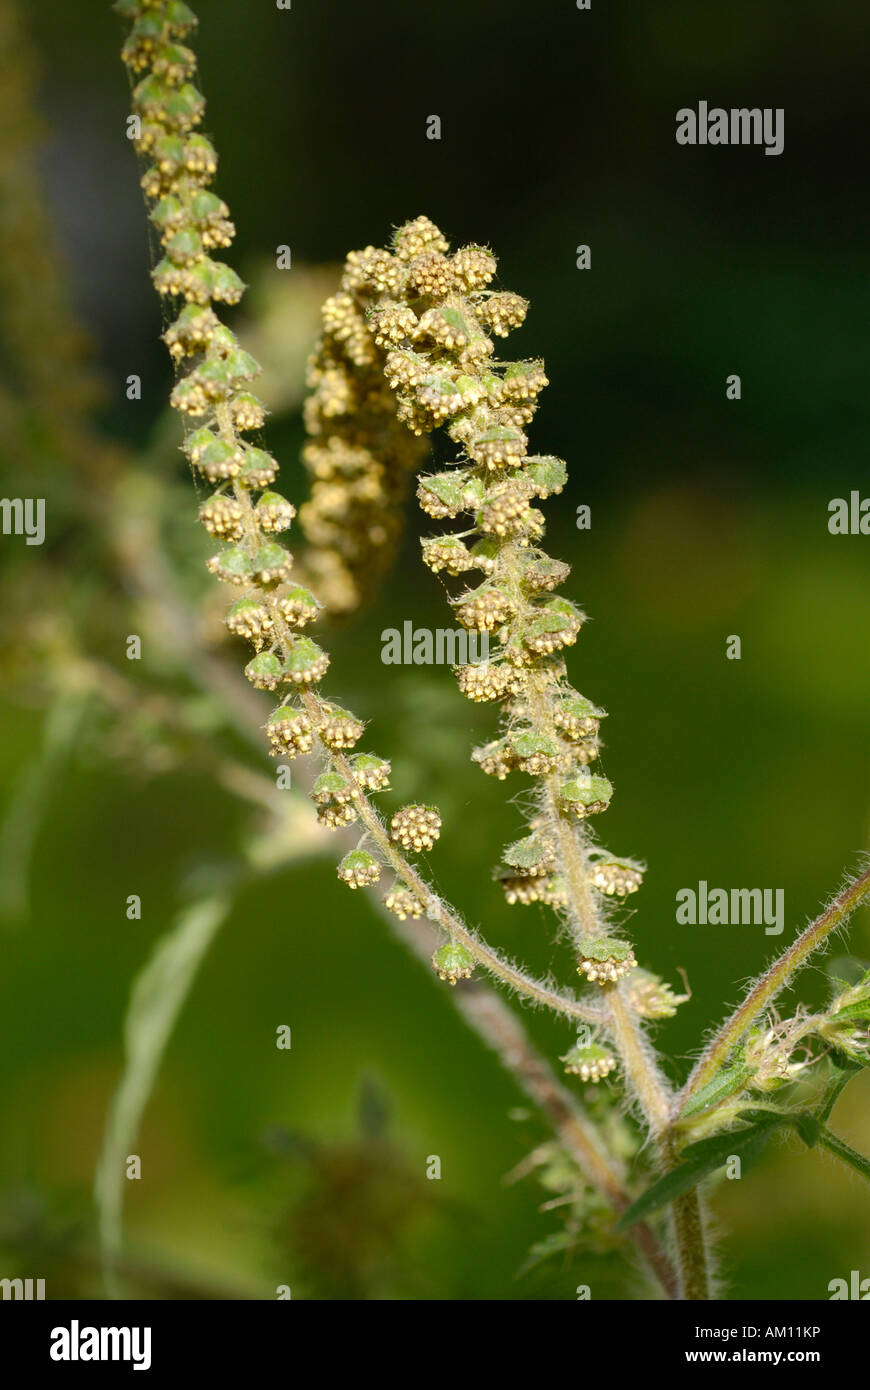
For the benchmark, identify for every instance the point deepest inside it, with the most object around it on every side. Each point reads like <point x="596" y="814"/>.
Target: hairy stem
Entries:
<point x="774" y="979"/>
<point x="493" y="1022"/>
<point x="581" y="899"/>
<point x="687" y="1222"/>
<point x="640" y="1069"/>
<point x="438" y="912"/>
<point x="844" y="1151"/>
<point x="637" y="1059"/>
<point x="642" y="1075"/>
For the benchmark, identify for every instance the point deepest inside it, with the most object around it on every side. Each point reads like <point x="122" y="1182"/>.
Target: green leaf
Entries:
<point x="156" y="1000"/>
<point x="699" y="1161"/>
<point x="860" y="1010"/>
<point x="725" y="1083"/>
<point x="28" y="802"/>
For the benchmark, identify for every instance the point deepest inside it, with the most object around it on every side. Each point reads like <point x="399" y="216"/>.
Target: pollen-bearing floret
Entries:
<point x="453" y="962"/>
<point x="487" y="682"/>
<point x="290" y="732"/>
<point x="403" y="903"/>
<point x="651" y="997"/>
<point x="616" y="877"/>
<point x="604" y="959"/>
<point x="590" y="1062"/>
<point x="416" y="827"/>
<point x="359" y="869"/>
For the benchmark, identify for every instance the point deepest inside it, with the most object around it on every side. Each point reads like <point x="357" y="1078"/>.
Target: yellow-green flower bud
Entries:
<point x="581" y="797"/>
<point x="232" y="565"/>
<point x="251" y="619"/>
<point x="339" y="728"/>
<point x="532" y="856"/>
<point x="453" y="962"/>
<point x="258" y="469"/>
<point x="371" y="772"/>
<point x="332" y="786"/>
<point x="503" y="311"/>
<point x="222" y="516"/>
<point x="306" y="663"/>
<point x="604" y="959"/>
<point x="616" y="877"/>
<point x="290" y="732"/>
<point x="473" y="267"/>
<point x="273" y="512"/>
<point x="271" y="563"/>
<point x="590" y="1063"/>
<point x="265" y="671"/>
<point x="487" y="682"/>
<point x="359" y="869"/>
<point x="298" y="606"/>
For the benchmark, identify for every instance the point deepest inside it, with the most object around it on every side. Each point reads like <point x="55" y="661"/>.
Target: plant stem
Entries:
<point x="491" y="1018"/>
<point x="687" y="1212"/>
<point x="639" y="1067"/>
<point x="774" y="979"/>
<point x="581" y="900"/>
<point x="493" y="1022"/>
<point x="438" y="912"/>
<point x="643" y="1077"/>
<point x="688" y="1226"/>
<point x="844" y="1151"/>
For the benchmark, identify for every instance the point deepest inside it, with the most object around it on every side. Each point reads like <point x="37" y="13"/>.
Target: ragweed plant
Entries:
<point x="408" y="348"/>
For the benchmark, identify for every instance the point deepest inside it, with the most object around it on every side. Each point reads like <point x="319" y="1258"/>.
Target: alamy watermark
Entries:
<point x="23" y="516"/>
<point x="77" y="1343"/>
<point x="741" y="125"/>
<point x="849" y="516"/>
<point x="854" y="1288"/>
<point x="440" y="646"/>
<point x="25" y="1289"/>
<point x="735" y="907"/>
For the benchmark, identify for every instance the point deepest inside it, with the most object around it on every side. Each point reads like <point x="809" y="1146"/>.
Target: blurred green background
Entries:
<point x="709" y="518"/>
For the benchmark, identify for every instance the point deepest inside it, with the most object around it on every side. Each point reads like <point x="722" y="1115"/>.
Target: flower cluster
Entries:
<point x="430" y="318"/>
<point x="359" y="458"/>
<point x="213" y="392"/>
